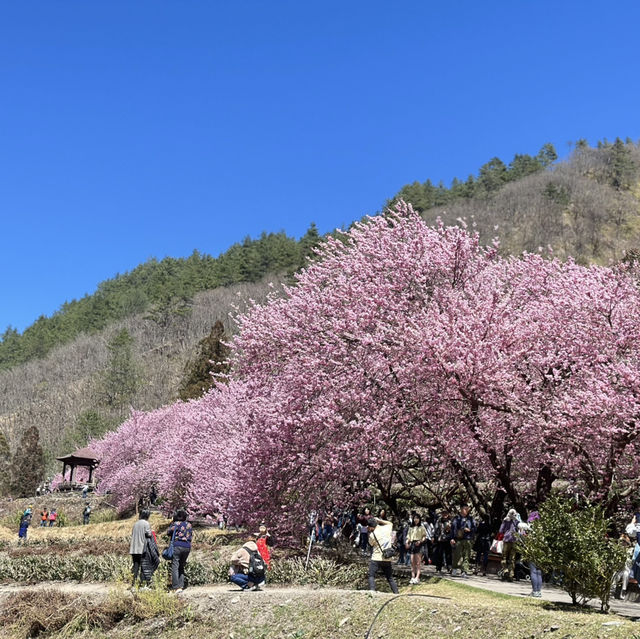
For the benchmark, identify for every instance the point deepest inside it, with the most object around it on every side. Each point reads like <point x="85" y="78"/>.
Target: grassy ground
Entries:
<point x="450" y="610"/>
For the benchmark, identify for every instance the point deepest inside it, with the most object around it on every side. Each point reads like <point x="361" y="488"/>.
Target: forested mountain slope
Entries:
<point x="587" y="206"/>
<point x="87" y="386"/>
<point x="162" y="289"/>
<point x="76" y="374"/>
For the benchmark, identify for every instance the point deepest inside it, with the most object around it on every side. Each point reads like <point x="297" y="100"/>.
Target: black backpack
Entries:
<point x="257" y="566"/>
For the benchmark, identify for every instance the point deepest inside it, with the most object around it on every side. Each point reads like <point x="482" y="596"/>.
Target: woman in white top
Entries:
<point x="416" y="539"/>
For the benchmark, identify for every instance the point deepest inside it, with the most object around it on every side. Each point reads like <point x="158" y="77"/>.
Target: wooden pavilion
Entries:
<point x="84" y="457"/>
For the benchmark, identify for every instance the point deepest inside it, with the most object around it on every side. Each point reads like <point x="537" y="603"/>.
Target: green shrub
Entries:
<point x="113" y="567"/>
<point x="574" y="541"/>
<point x="57" y="567"/>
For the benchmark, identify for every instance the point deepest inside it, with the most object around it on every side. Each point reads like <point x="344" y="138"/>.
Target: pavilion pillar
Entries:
<point x="72" y="471"/>
<point x="90" y="473"/>
<point x="64" y="471"/>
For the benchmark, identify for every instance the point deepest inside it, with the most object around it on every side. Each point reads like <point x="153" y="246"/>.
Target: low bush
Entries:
<point x="321" y="572"/>
<point x="114" y="567"/>
<point x="55" y="567"/>
<point x="574" y="541"/>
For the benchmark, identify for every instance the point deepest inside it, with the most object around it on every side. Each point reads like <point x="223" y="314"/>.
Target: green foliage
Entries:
<point x="121" y="379"/>
<point x="492" y="177"/>
<point x="623" y="169"/>
<point x="110" y="567"/>
<point x="162" y="289"/>
<point x="211" y="359"/>
<point x="321" y="572"/>
<point x="89" y="425"/>
<point x="574" y="541"/>
<point x="557" y="193"/>
<point x="65" y="567"/>
<point x="27" y="464"/>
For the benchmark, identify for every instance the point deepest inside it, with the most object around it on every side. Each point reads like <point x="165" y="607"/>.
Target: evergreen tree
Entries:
<point x="121" y="379"/>
<point x="492" y="175"/>
<point x="547" y="155"/>
<point x="210" y="361"/>
<point x="523" y="165"/>
<point x="308" y="242"/>
<point x="623" y="169"/>
<point x="27" y="464"/>
<point x="5" y="465"/>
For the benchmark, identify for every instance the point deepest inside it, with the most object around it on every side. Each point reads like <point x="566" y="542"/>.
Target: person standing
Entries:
<point x="427" y="548"/>
<point x="462" y="532"/>
<point x="53" y="516"/>
<point x="363" y="520"/>
<point x="416" y="539"/>
<point x="181" y="548"/>
<point x="401" y="538"/>
<point x="482" y="545"/>
<point x="534" y="572"/>
<point x="86" y="514"/>
<point x="25" y="522"/>
<point x="379" y="533"/>
<point x="44" y="517"/>
<point x="442" y="540"/>
<point x="509" y="532"/>
<point x="143" y="551"/>
<point x="264" y="540"/>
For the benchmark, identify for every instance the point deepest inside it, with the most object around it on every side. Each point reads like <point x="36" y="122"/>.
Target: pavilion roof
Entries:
<point x="81" y="456"/>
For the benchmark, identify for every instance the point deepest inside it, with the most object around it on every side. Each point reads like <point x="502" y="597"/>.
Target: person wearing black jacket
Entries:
<point x="442" y="542"/>
<point x="463" y="530"/>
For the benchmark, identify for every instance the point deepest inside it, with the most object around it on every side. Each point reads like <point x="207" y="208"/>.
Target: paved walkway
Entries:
<point x="550" y="593"/>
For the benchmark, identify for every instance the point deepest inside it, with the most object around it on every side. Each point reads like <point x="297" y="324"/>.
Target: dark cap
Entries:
<point x="372" y="522"/>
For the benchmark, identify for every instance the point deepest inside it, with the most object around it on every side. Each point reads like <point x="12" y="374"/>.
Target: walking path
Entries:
<point x="550" y="593"/>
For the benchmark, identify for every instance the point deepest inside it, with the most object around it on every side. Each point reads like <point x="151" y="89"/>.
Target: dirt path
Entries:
<point x="277" y="595"/>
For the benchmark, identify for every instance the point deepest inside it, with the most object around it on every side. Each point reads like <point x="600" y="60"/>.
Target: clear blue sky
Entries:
<point x="132" y="129"/>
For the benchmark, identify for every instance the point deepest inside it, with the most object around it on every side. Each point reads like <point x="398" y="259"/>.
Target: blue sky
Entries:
<point x="131" y="130"/>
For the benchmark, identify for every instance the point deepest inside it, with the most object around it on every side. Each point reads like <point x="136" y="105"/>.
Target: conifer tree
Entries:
<point x="27" y="465"/>
<point x="623" y="169"/>
<point x="121" y="379"/>
<point x="211" y="360"/>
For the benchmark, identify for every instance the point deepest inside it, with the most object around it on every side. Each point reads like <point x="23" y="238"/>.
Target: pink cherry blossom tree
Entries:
<point x="408" y="360"/>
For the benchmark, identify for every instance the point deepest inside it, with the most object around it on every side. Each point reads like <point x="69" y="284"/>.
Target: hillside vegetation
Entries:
<point x="134" y="342"/>
<point x="587" y="207"/>
<point x="163" y="289"/>
<point x="66" y="393"/>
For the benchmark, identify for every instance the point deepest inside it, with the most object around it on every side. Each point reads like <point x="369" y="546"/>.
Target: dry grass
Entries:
<point x="451" y="610"/>
<point x="50" y="613"/>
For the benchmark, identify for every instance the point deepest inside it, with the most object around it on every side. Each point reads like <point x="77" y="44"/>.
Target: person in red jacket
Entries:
<point x="264" y="540"/>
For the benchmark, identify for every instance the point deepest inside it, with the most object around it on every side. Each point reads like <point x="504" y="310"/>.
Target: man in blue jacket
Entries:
<point x="463" y="530"/>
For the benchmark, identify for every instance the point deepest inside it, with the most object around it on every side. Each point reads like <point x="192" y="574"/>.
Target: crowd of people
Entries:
<point x="454" y="543"/>
<point x="458" y="544"/>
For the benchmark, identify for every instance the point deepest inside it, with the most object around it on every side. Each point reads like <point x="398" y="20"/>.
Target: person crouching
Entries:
<point x="247" y="566"/>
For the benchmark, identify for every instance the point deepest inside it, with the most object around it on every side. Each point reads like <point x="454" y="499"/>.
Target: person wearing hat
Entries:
<point x="25" y="521"/>
<point x="379" y="537"/>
